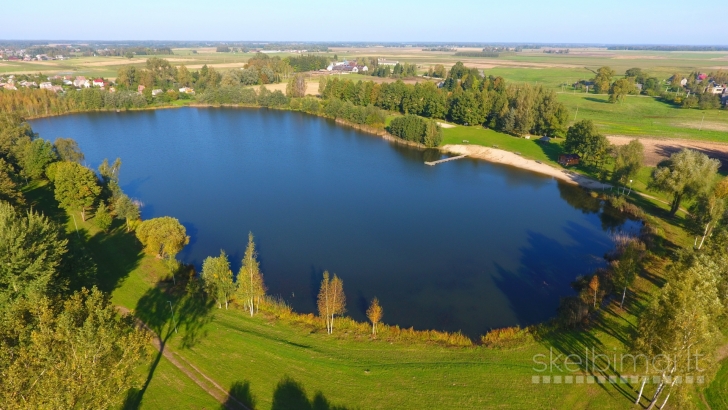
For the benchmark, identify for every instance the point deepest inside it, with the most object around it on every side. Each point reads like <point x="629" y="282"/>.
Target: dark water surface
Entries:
<point x="465" y="245"/>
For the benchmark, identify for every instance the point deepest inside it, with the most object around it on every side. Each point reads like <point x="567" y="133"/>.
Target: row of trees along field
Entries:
<point x="467" y="98"/>
<point x="697" y="92"/>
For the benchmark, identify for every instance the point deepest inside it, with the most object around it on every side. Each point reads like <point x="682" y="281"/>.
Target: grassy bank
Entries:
<point x="280" y="363"/>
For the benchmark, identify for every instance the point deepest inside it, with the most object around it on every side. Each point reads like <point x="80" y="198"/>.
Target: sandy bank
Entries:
<point x="505" y="157"/>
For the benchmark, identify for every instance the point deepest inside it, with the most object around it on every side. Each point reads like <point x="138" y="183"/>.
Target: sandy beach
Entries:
<point x="505" y="157"/>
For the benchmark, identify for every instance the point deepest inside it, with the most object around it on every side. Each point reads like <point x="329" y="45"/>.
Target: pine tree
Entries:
<point x="31" y="251"/>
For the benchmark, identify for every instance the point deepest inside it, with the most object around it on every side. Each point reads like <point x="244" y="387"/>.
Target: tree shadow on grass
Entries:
<point x="551" y="149"/>
<point x="116" y="253"/>
<point x="41" y="198"/>
<point x="290" y="394"/>
<point x="239" y="397"/>
<point x="167" y="311"/>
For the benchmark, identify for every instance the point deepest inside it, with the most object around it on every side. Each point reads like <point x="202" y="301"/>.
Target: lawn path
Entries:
<point x="195" y="374"/>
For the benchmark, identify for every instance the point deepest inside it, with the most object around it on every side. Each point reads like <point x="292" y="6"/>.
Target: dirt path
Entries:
<point x="196" y="375"/>
<point x="659" y="149"/>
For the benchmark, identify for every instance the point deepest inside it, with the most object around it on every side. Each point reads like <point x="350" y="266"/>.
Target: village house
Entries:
<point x="140" y="88"/>
<point x="156" y="92"/>
<point x="81" y="82"/>
<point x="186" y="90"/>
<point x="98" y="83"/>
<point x="715" y="88"/>
<point x="382" y="61"/>
<point x="347" y="67"/>
<point x="45" y="85"/>
<point x="10" y="87"/>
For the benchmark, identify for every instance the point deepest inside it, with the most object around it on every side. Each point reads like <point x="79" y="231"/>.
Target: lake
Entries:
<point x="464" y="245"/>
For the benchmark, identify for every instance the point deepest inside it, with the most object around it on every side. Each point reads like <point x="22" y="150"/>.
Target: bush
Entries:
<point x="505" y="337"/>
<point x="416" y="129"/>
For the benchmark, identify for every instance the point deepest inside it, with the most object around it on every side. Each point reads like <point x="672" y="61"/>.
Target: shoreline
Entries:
<point x="500" y="156"/>
<point x="493" y="155"/>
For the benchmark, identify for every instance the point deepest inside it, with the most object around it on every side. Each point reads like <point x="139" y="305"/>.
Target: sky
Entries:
<point x="536" y="21"/>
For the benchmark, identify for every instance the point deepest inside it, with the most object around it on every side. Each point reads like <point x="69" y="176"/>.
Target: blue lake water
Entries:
<point x="464" y="245"/>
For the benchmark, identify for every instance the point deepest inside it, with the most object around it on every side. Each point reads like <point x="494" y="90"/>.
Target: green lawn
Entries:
<point x="529" y="148"/>
<point x="717" y="393"/>
<point x="648" y="117"/>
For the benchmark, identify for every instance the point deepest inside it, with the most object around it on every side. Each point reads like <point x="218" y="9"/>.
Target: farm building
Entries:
<point x="569" y="159"/>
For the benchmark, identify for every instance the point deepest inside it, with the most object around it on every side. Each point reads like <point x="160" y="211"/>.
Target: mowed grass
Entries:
<point x="169" y="388"/>
<point x="717" y="393"/>
<point x="280" y="362"/>
<point x="528" y="148"/>
<point x="647" y="117"/>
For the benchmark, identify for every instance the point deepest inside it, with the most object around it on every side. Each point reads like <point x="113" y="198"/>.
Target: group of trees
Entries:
<point x="309" y="62"/>
<point x="57" y="329"/>
<point x="678" y="332"/>
<point x="584" y="139"/>
<point x="695" y="93"/>
<point x="248" y="287"/>
<point x="474" y="100"/>
<point x="416" y="129"/>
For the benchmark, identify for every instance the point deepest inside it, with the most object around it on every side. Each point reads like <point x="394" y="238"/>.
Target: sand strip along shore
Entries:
<point x="509" y="158"/>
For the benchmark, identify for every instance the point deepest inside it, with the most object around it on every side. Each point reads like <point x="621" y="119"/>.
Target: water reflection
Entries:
<point x="464" y="245"/>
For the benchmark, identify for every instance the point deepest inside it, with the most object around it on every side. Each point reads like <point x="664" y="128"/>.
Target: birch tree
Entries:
<point x="374" y="313"/>
<point x="251" y="287"/>
<point x="688" y="174"/>
<point x="705" y="214"/>
<point x="324" y="300"/>
<point x="218" y="278"/>
<point x="126" y="209"/>
<point x="626" y="262"/>
<point x="680" y="326"/>
<point x="331" y="300"/>
<point x="594" y="287"/>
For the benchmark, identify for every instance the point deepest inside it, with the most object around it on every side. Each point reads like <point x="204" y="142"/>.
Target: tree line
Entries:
<point x="695" y="93"/>
<point x="685" y="316"/>
<point x="58" y="329"/>
<point x="467" y="97"/>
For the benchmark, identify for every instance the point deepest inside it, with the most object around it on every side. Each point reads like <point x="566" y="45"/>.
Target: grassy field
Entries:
<point x="647" y="117"/>
<point x="636" y="116"/>
<point x="276" y="364"/>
